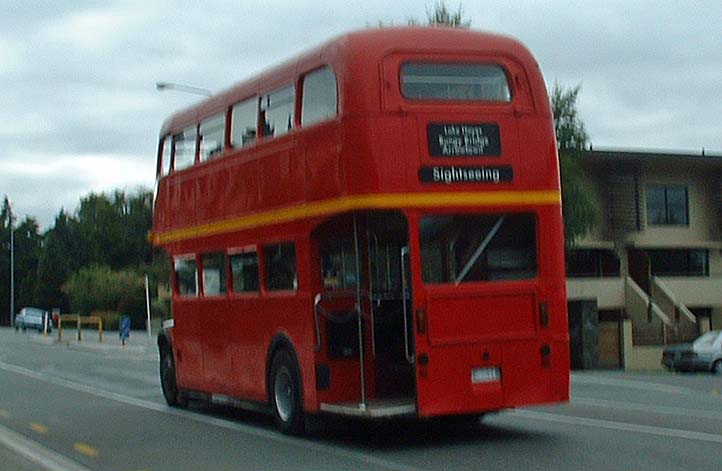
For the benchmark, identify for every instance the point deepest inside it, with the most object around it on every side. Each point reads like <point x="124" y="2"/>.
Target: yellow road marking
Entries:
<point x="38" y="428"/>
<point x="4" y="414"/>
<point x="356" y="202"/>
<point x="86" y="449"/>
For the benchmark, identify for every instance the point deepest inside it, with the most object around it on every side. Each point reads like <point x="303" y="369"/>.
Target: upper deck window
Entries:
<point x="165" y="156"/>
<point x="184" y="144"/>
<point x="319" y="100"/>
<point x="244" y="122"/>
<point x="454" y="82"/>
<point x="277" y="111"/>
<point x="212" y="136"/>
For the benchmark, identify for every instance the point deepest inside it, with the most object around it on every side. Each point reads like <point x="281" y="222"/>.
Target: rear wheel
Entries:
<point x="285" y="392"/>
<point x="168" y="384"/>
<point x="717" y="367"/>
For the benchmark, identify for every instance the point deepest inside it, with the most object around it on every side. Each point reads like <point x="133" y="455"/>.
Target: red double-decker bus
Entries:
<point x="372" y="229"/>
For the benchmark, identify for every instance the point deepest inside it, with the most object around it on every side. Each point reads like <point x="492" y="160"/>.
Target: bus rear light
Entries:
<point x="546" y="356"/>
<point x="544" y="314"/>
<point x="421" y="321"/>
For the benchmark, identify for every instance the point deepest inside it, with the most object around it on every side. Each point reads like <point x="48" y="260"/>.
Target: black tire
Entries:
<point x="717" y="367"/>
<point x="285" y="393"/>
<point x="172" y="394"/>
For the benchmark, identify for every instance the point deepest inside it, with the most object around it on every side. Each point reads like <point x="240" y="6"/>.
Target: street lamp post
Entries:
<point x="161" y="86"/>
<point x="12" y="266"/>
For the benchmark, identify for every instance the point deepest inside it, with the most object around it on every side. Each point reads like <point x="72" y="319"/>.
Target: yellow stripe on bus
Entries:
<point x="350" y="203"/>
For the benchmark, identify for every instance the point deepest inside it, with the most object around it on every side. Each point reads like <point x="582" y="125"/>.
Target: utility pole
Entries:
<point x="11" y="217"/>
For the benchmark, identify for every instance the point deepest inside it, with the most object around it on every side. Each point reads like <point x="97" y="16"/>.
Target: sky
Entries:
<point x="79" y="111"/>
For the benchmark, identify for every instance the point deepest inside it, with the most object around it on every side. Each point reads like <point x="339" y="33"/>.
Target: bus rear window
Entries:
<point x="464" y="248"/>
<point x="454" y="82"/>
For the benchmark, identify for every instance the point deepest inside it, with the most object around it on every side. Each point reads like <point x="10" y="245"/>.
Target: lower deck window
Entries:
<point x="466" y="248"/>
<point x="244" y="272"/>
<point x="186" y="276"/>
<point x="214" y="274"/>
<point x="280" y="267"/>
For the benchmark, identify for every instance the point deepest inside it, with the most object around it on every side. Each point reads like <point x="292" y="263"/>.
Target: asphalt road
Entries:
<point x="89" y="408"/>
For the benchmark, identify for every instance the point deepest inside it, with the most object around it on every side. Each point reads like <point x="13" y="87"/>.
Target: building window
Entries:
<point x="587" y="263"/>
<point x="186" y="276"/>
<point x="667" y="205"/>
<point x="184" y="148"/>
<point x="280" y="267"/>
<point x="467" y="82"/>
<point x="212" y="136"/>
<point x="244" y="272"/>
<point x="679" y="262"/>
<point x="244" y="122"/>
<point x="277" y="111"/>
<point x="466" y="248"/>
<point x="319" y="100"/>
<point x="214" y="273"/>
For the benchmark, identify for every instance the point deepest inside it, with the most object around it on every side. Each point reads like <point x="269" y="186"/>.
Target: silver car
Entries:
<point x="704" y="354"/>
<point x="32" y="318"/>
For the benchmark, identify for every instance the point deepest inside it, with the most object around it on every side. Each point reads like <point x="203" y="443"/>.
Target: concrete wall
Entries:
<point x="639" y="357"/>
<point x="609" y="292"/>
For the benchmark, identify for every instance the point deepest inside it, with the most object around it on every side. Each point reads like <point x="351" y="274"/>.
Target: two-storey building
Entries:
<point x="650" y="273"/>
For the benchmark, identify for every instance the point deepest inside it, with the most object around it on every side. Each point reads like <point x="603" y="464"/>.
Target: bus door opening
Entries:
<point x="363" y="312"/>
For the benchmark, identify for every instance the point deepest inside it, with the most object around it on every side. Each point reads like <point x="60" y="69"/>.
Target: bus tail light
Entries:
<point x="544" y="314"/>
<point x="421" y="321"/>
<point x="546" y="356"/>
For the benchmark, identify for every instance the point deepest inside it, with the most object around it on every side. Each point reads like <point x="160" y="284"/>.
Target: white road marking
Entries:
<point x="618" y="426"/>
<point x="38" y="454"/>
<point x="630" y="384"/>
<point x="662" y="410"/>
<point x="370" y="460"/>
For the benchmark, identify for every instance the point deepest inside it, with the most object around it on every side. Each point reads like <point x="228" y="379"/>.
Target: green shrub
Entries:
<point x="98" y="288"/>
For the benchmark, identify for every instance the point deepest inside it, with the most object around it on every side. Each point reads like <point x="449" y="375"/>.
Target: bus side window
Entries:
<point x="244" y="272"/>
<point x="165" y="156"/>
<point x="280" y="267"/>
<point x="214" y="273"/>
<point x="319" y="100"/>
<point x="277" y="111"/>
<point x="184" y="148"/>
<point x="244" y="122"/>
<point x="212" y="136"/>
<point x="186" y="276"/>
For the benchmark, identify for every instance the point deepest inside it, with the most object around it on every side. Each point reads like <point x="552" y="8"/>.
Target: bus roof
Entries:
<point x="364" y="48"/>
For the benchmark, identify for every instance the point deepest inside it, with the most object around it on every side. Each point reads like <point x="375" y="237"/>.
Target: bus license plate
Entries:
<point x="485" y="375"/>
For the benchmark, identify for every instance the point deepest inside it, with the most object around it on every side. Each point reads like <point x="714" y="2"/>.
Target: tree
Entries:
<point x="5" y="214"/>
<point x="440" y="15"/>
<point x="28" y="246"/>
<point x="578" y="205"/>
<point x="61" y="255"/>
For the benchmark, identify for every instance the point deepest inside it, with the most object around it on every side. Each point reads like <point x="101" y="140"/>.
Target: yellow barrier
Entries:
<point x="79" y="321"/>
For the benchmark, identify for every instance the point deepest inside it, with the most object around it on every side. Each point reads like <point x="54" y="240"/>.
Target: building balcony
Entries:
<point x="608" y="291"/>
<point x="695" y="290"/>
